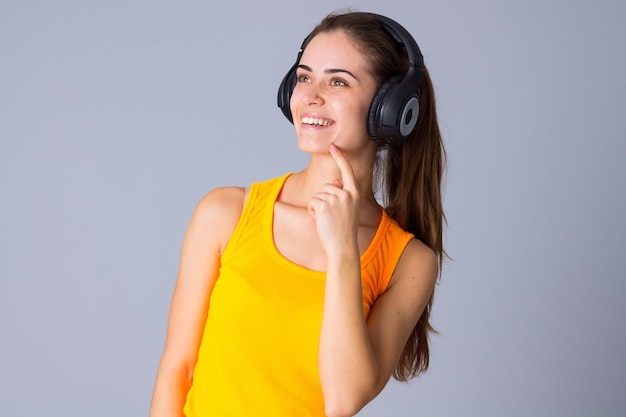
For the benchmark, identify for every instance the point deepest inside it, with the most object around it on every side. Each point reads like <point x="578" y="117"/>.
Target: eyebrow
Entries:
<point x="329" y="71"/>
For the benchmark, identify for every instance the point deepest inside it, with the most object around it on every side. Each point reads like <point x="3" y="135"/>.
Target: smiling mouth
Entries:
<point x="315" y="122"/>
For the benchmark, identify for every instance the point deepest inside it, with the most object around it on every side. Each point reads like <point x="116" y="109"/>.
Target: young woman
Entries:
<point x="303" y="295"/>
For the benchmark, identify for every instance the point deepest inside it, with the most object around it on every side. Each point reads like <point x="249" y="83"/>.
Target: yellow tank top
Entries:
<point x="258" y="355"/>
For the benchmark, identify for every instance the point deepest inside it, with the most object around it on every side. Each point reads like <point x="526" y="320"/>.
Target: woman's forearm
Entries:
<point x="348" y="368"/>
<point x="170" y="393"/>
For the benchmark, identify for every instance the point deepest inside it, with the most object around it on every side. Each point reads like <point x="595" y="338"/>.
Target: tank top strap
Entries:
<point x="256" y="204"/>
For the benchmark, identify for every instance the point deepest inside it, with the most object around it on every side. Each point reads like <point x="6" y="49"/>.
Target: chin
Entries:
<point x="313" y="147"/>
<point x="315" y="144"/>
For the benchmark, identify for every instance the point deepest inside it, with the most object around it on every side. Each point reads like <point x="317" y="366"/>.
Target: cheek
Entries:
<point x="360" y="112"/>
<point x="366" y="107"/>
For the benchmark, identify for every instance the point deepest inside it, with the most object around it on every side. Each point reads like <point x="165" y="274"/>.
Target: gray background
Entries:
<point x="117" y="116"/>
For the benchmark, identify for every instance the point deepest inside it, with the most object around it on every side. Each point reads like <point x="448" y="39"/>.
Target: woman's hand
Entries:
<point x="335" y="208"/>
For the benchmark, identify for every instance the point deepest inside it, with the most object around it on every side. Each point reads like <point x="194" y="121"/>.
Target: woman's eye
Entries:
<point x="338" y="83"/>
<point x="302" y="78"/>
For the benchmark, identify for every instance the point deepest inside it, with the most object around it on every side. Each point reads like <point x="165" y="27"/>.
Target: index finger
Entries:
<point x="347" y="173"/>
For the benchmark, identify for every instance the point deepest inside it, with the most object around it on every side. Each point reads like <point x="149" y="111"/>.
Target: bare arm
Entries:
<point x="357" y="358"/>
<point x="211" y="226"/>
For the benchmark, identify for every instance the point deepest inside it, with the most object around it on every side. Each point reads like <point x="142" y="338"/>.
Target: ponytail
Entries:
<point x="412" y="179"/>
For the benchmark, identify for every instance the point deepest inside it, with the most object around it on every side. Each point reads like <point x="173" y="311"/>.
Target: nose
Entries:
<point x="312" y="93"/>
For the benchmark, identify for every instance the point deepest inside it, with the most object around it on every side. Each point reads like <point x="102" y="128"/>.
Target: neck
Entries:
<point x="322" y="169"/>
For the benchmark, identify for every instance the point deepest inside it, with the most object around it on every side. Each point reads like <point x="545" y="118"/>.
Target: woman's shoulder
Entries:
<point x="222" y="199"/>
<point x="418" y="264"/>
<point x="219" y="210"/>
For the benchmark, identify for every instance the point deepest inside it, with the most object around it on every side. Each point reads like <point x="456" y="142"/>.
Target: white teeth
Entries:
<point x="315" y="122"/>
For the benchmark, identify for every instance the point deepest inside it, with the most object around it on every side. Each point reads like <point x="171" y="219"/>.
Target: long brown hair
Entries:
<point x="410" y="175"/>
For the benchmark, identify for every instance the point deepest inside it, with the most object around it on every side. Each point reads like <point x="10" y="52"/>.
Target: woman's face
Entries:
<point x="332" y="97"/>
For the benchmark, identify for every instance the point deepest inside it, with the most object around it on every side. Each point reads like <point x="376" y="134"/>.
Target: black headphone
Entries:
<point x="395" y="106"/>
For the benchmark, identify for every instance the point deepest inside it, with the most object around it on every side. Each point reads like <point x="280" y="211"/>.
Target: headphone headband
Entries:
<point x="403" y="37"/>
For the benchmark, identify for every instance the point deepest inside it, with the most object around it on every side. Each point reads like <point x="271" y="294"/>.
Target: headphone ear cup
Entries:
<point x="284" y="93"/>
<point x="374" y="121"/>
<point x="285" y="89"/>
